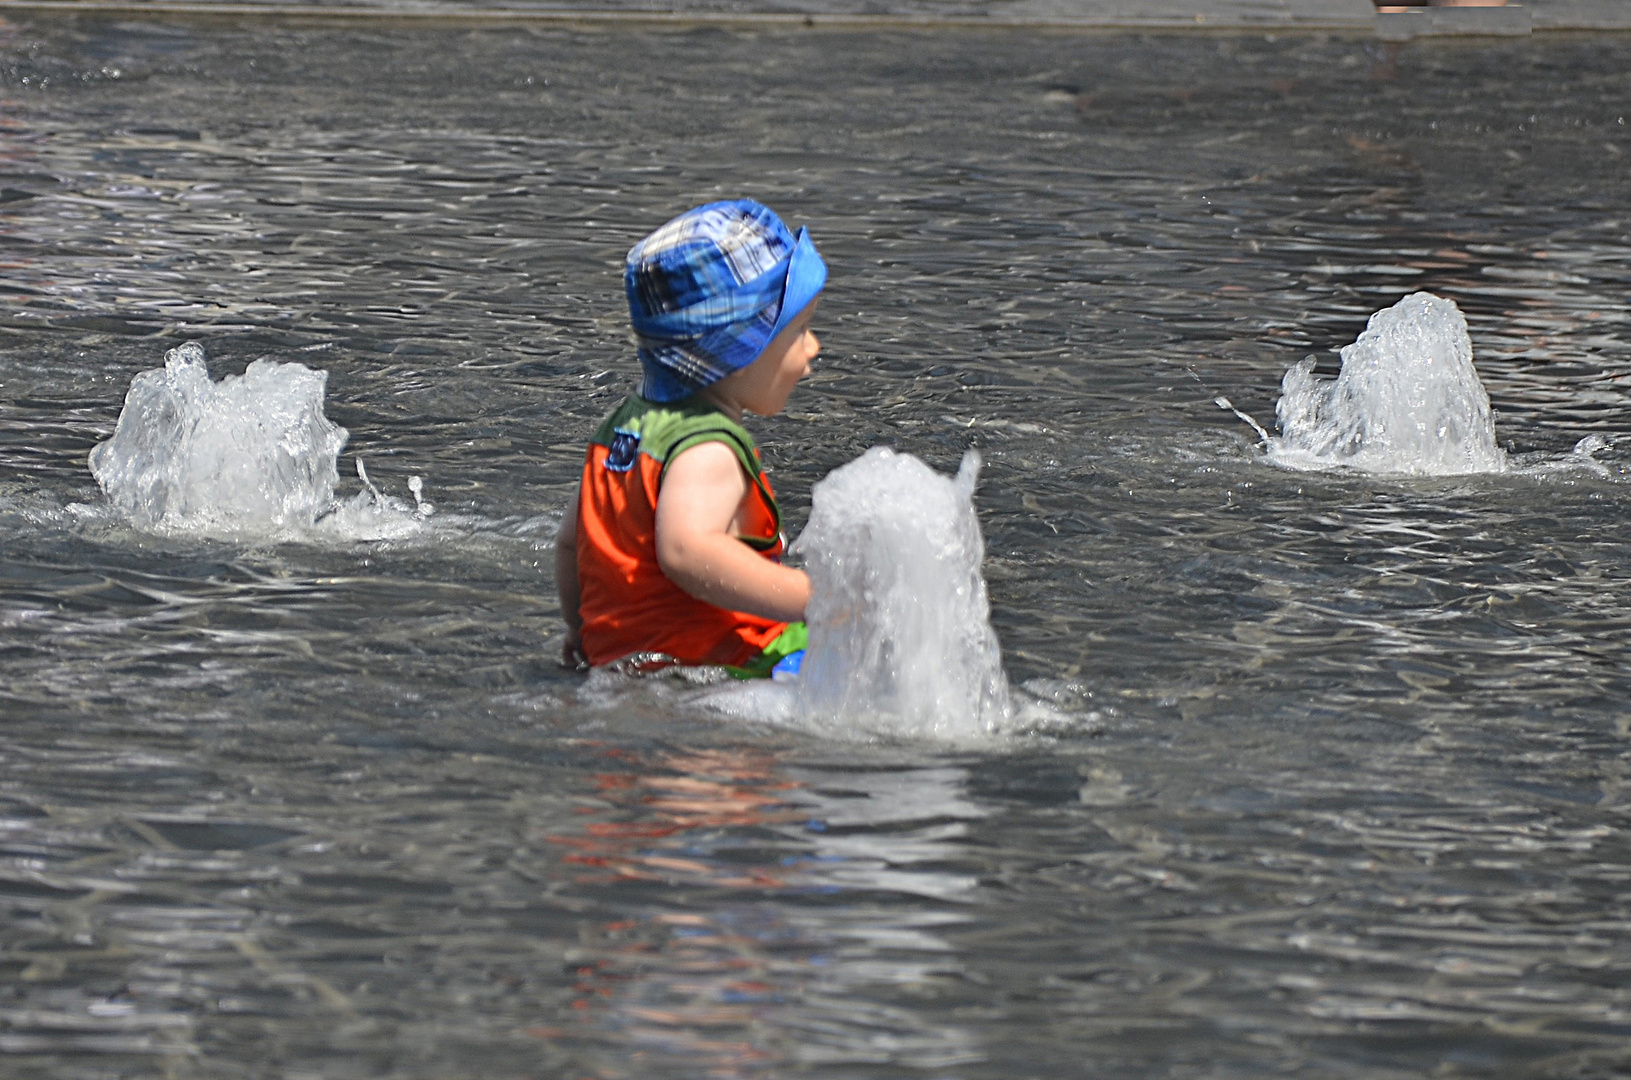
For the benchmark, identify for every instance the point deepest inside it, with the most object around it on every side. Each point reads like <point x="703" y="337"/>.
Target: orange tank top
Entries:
<point x="628" y="606"/>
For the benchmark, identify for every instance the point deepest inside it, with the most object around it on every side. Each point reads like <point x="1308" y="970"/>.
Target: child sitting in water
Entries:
<point x="670" y="553"/>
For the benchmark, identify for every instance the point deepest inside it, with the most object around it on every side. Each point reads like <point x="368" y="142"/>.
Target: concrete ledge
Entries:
<point x="1349" y="16"/>
<point x="1582" y="14"/>
<point x="1326" y="14"/>
<point x="1354" y="17"/>
<point x="1510" y="21"/>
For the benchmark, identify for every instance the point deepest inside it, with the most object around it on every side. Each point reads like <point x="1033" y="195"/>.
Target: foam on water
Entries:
<point x="1407" y="401"/>
<point x="251" y="455"/>
<point x="900" y="634"/>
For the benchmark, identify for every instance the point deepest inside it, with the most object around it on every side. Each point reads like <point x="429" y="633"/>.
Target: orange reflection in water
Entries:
<point x="714" y="971"/>
<point x="678" y="989"/>
<point x="696" y="790"/>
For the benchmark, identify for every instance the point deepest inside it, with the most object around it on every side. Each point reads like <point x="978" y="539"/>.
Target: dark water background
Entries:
<point x="1342" y="784"/>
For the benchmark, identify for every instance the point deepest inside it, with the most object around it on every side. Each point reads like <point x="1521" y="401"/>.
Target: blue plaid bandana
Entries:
<point x="710" y="289"/>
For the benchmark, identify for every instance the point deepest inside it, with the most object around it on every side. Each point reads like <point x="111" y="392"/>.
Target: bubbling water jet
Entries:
<point x="251" y="455"/>
<point x="899" y="621"/>
<point x="1408" y="400"/>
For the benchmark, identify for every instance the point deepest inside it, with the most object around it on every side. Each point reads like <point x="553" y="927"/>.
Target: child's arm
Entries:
<point x="701" y="492"/>
<point x="566" y="585"/>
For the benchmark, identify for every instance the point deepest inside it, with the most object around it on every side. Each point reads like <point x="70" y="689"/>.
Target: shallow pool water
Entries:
<point x="1332" y="778"/>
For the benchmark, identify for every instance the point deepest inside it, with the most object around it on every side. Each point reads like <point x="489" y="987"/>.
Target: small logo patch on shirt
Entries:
<point x="625" y="445"/>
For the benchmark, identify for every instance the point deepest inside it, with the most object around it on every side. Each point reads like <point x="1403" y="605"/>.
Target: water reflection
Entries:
<point x="776" y="919"/>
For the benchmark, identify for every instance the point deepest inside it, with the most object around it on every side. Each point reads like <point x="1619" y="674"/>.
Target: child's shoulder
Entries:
<point x="660" y="430"/>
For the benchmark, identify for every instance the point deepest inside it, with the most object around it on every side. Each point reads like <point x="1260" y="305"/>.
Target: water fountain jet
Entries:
<point x="1408" y="400"/>
<point x="900" y="635"/>
<point x="250" y="456"/>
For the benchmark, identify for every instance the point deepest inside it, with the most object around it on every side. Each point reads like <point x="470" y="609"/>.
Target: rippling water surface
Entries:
<point x="1336" y="783"/>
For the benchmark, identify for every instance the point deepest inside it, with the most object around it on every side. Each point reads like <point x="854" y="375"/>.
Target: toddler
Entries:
<point x="670" y="553"/>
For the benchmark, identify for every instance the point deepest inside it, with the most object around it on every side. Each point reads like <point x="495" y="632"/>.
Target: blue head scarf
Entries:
<point x="710" y="289"/>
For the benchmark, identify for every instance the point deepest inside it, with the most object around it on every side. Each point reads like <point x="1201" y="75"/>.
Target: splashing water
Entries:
<point x="900" y="630"/>
<point x="249" y="455"/>
<point x="1407" y="401"/>
<point x="1229" y="406"/>
<point x="373" y="515"/>
<point x="252" y="453"/>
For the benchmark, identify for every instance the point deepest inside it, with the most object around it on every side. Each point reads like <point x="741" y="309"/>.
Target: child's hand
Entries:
<point x="566" y="584"/>
<point x="572" y="654"/>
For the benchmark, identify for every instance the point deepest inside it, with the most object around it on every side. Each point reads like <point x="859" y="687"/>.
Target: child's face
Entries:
<point x="764" y="385"/>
